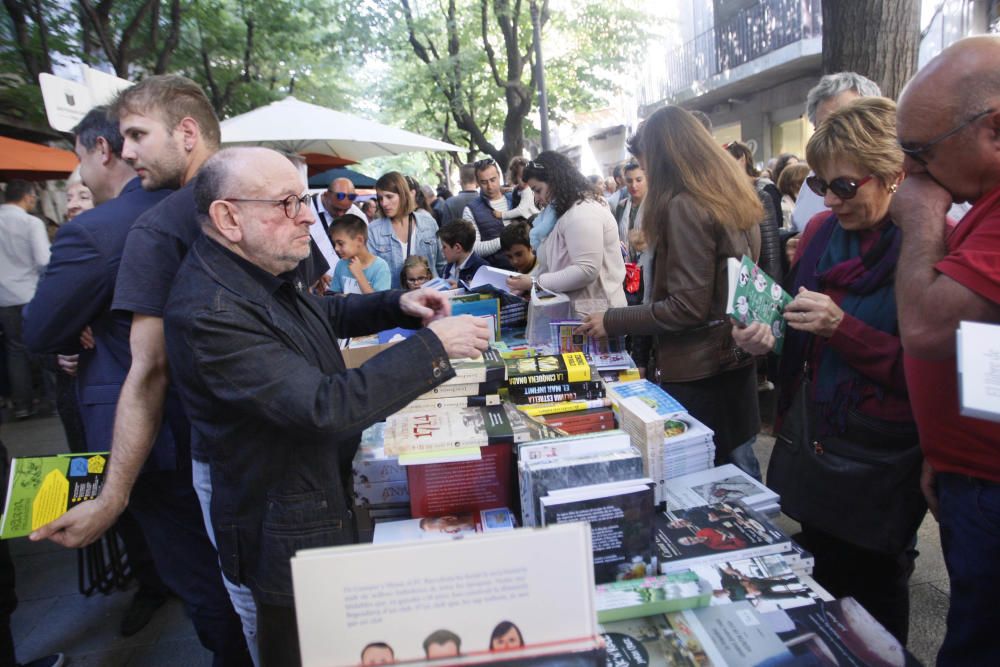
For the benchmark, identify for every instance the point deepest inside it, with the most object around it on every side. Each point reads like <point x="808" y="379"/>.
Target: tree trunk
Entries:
<point x="878" y="39"/>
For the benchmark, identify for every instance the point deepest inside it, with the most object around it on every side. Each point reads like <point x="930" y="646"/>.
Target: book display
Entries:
<point x="547" y="507"/>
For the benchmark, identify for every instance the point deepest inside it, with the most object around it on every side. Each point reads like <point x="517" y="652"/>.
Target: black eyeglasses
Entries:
<point x="479" y="165"/>
<point x="341" y="196"/>
<point x="292" y="203"/>
<point x="843" y="187"/>
<point x="537" y="166"/>
<point x="916" y="152"/>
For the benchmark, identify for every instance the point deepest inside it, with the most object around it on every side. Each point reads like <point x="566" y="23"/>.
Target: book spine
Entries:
<point x="522" y="391"/>
<point x="564" y="406"/>
<point x="538" y="378"/>
<point x="557" y="398"/>
<point x="461" y="389"/>
<point x="451" y="402"/>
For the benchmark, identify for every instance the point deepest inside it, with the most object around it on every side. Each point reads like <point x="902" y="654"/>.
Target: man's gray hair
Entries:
<point x="832" y="85"/>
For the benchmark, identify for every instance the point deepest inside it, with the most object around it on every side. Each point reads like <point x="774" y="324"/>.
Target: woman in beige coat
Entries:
<point x="575" y="235"/>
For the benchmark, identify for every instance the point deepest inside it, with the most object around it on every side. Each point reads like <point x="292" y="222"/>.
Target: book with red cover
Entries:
<point x="585" y="416"/>
<point x="464" y="486"/>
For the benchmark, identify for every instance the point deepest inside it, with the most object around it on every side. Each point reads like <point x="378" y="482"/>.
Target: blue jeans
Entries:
<point x="969" y="515"/>
<point x="241" y="596"/>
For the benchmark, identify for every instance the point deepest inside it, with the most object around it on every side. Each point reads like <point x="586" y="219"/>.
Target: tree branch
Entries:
<point x="122" y="57"/>
<point x="100" y="26"/>
<point x="173" y="38"/>
<point x="490" y="55"/>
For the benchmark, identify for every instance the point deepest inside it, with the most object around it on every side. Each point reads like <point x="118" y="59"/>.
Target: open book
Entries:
<point x="754" y="296"/>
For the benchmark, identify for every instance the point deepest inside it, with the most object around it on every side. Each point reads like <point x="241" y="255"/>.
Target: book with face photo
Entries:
<point x="714" y="533"/>
<point x="482" y="598"/>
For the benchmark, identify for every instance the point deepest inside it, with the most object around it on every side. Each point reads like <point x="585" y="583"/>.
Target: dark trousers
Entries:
<point x="277" y="635"/>
<point x="880" y="582"/>
<point x="18" y="358"/>
<point x="165" y="505"/>
<point x="969" y="515"/>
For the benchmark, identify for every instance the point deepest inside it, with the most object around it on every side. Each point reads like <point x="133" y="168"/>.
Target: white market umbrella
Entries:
<point x="300" y="127"/>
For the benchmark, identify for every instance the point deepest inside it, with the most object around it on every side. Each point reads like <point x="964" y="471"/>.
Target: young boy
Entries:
<point x="457" y="238"/>
<point x="516" y="245"/>
<point x="358" y="271"/>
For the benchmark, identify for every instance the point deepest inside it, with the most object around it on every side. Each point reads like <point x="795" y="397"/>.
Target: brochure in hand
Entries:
<point x="754" y="296"/>
<point x="40" y="489"/>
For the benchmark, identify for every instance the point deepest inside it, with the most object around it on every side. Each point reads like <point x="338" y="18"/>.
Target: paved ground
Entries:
<point x="53" y="616"/>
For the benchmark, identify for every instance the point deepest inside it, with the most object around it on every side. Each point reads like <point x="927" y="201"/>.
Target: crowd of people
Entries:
<point x="197" y="295"/>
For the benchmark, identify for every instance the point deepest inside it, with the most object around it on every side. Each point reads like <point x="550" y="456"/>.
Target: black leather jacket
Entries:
<point x="275" y="408"/>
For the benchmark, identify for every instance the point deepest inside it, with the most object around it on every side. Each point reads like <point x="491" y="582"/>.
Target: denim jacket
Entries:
<point x="383" y="243"/>
<point x="275" y="408"/>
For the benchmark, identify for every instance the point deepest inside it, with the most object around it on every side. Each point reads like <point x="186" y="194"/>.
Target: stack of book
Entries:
<point x="557" y="378"/>
<point x="672" y="442"/>
<point x="380" y="490"/>
<point x="576" y="421"/>
<point x="477" y="382"/>
<point x="828" y="632"/>
<point x="460" y="459"/>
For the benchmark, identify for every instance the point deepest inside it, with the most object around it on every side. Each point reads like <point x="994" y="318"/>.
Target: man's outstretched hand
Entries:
<point x="427" y="304"/>
<point x="462" y="336"/>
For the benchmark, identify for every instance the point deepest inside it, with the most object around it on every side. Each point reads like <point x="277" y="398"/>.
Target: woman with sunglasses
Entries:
<point x="842" y="324"/>
<point x="575" y="235"/>
<point x="403" y="230"/>
<point x="700" y="210"/>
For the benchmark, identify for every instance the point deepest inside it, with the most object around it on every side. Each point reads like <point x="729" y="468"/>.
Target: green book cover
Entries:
<point x="754" y="296"/>
<point x="620" y="600"/>
<point x="40" y="489"/>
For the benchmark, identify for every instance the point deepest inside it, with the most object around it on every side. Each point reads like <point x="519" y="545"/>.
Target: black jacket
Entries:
<point x="275" y="408"/>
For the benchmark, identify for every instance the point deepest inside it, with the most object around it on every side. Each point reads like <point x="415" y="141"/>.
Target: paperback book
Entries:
<point x="756" y="297"/>
<point x="714" y="533"/>
<point x="445" y="429"/>
<point x="449" y="526"/>
<point x="766" y="582"/>
<point x="648" y="596"/>
<point x="528" y="591"/>
<point x="548" y="369"/>
<point x="620" y="517"/>
<point x="723" y="484"/>
<point x="838" y="633"/>
<point x="489" y="367"/>
<point x="40" y="489"/>
<point x="540" y="477"/>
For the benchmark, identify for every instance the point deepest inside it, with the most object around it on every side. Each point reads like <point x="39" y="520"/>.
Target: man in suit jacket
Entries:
<point x="75" y="293"/>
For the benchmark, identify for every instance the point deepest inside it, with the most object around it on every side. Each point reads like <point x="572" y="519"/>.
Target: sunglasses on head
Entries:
<point x="537" y="166"/>
<point x="843" y="187"/>
<point x="485" y="162"/>
<point x="341" y="196"/>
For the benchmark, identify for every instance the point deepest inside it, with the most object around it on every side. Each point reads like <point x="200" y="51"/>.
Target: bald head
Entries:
<point x="250" y="200"/>
<point x="948" y="118"/>
<point x="963" y="79"/>
<point x="339" y="197"/>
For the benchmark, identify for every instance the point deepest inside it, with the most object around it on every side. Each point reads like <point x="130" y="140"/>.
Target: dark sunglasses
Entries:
<point x="341" y="196"/>
<point x="537" y="166"/>
<point x="292" y="203"/>
<point x="843" y="187"/>
<point x="915" y="153"/>
<point x="479" y="165"/>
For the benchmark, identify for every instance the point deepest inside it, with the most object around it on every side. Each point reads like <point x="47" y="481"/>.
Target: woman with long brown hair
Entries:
<point x="401" y="232"/>
<point x="700" y="210"/>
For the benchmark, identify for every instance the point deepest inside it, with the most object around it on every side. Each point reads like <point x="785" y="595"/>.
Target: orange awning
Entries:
<point x="35" y="162"/>
<point x="318" y="162"/>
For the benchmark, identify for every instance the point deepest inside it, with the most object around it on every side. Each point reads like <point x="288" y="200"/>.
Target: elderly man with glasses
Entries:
<point x="265" y="386"/>
<point x="949" y="129"/>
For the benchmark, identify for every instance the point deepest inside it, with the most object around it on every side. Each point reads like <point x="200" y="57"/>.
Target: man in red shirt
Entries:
<point x="949" y="128"/>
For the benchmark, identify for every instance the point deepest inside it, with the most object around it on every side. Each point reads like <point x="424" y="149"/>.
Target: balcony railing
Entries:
<point x="749" y="34"/>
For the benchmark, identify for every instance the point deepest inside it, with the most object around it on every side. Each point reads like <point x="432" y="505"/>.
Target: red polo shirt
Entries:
<point x="953" y="443"/>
